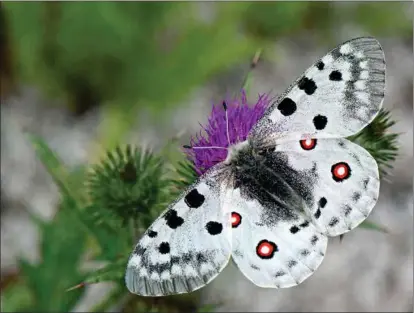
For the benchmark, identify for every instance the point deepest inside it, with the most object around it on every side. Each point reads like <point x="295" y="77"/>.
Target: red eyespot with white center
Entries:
<point x="235" y="219"/>
<point x="308" y="144"/>
<point x="266" y="249"/>
<point x="340" y="171"/>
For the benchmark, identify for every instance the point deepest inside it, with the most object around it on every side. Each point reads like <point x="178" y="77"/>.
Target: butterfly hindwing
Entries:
<point x="186" y="247"/>
<point x="273" y="252"/>
<point x="345" y="180"/>
<point x="336" y="97"/>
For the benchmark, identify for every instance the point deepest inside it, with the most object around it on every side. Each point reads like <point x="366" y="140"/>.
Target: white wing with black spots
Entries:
<point x="274" y="200"/>
<point x="336" y="97"/>
<point x="345" y="181"/>
<point x="186" y="247"/>
<point x="272" y="251"/>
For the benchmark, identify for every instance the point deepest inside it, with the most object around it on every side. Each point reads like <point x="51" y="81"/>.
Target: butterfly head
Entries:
<point x="234" y="151"/>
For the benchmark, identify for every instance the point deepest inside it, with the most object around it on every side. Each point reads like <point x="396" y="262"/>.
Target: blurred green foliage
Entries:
<point x="126" y="56"/>
<point x="131" y="55"/>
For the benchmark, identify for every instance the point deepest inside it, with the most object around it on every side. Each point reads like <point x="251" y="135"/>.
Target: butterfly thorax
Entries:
<point x="235" y="151"/>
<point x="244" y="154"/>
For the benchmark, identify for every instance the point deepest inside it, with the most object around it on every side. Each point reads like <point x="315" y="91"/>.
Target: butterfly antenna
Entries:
<point x="227" y="122"/>
<point x="211" y="147"/>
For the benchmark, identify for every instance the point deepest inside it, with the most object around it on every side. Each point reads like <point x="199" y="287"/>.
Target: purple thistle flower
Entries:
<point x="241" y="119"/>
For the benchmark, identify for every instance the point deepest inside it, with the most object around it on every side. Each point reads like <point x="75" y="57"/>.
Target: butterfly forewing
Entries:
<point x="336" y="97"/>
<point x="186" y="247"/>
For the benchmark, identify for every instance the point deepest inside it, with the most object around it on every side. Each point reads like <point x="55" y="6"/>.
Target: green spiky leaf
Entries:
<point x="377" y="140"/>
<point x="186" y="175"/>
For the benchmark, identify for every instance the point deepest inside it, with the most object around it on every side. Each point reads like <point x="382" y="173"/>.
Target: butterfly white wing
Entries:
<point x="336" y="97"/>
<point x="345" y="180"/>
<point x="273" y="251"/>
<point x="186" y="247"/>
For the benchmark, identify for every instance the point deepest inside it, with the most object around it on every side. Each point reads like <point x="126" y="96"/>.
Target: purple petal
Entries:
<point x="241" y="117"/>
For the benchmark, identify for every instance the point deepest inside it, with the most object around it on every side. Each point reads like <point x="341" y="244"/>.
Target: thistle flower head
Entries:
<point x="129" y="182"/>
<point x="241" y="118"/>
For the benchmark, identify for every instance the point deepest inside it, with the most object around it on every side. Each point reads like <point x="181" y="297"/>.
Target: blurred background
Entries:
<point x="87" y="76"/>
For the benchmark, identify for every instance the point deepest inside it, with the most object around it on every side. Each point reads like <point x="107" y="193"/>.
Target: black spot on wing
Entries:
<point x="314" y="240"/>
<point x="201" y="258"/>
<point x="314" y="169"/>
<point x="307" y="85"/>
<point x="356" y="157"/>
<point x="335" y="76"/>
<point x="365" y="183"/>
<point x="336" y="54"/>
<point x="347" y="210"/>
<point x="152" y="234"/>
<point x="304" y="224"/>
<point x="322" y="202"/>
<point x="194" y="199"/>
<point x="305" y="252"/>
<point x="317" y="213"/>
<point x="255" y="267"/>
<point x="356" y="196"/>
<point x="320" y="121"/>
<point x="292" y="263"/>
<point x="333" y="221"/>
<point x="280" y="274"/>
<point x="238" y="253"/>
<point x="164" y="248"/>
<point x="287" y="107"/>
<point x="214" y="228"/>
<point x="172" y="219"/>
<point x="320" y="65"/>
<point x="139" y="250"/>
<point x="294" y="229"/>
<point x="187" y="258"/>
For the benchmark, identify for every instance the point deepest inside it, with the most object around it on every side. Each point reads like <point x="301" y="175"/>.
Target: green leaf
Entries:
<point x="208" y="308"/>
<point x="114" y="271"/>
<point x="369" y="225"/>
<point x="110" y="237"/>
<point x="62" y="246"/>
<point x="17" y="297"/>
<point x="55" y="167"/>
<point x="112" y="299"/>
<point x="374" y="226"/>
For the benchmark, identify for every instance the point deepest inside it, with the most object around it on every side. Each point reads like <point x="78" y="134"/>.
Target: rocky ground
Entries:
<point x="368" y="271"/>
